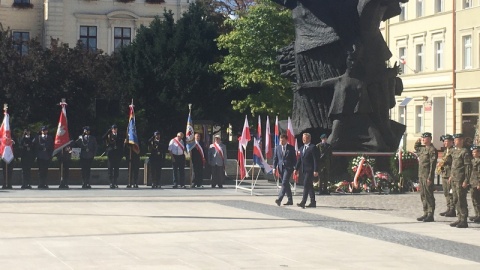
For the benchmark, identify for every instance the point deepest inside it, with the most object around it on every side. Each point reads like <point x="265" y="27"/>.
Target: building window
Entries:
<point x="418" y="118"/>
<point x="88" y="37"/>
<point x="438" y="55"/>
<point x="22" y="4"/>
<point x="439" y="6"/>
<point x="401" y="115"/>
<point x="467" y="52"/>
<point x="122" y="37"/>
<point x="419" y="58"/>
<point x="419" y="8"/>
<point x="467" y="3"/>
<point x="20" y="42"/>
<point x="470" y="116"/>
<point x="403" y="14"/>
<point x="402" y="55"/>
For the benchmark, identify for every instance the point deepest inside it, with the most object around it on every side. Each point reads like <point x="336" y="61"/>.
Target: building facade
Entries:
<point x="437" y="45"/>
<point x="99" y="24"/>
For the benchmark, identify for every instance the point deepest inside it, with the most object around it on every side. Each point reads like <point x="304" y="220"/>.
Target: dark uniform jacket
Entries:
<point x="43" y="147"/>
<point x="26" y="145"/>
<point x="285" y="161"/>
<point x="427" y="161"/>
<point x="461" y="165"/>
<point x="157" y="150"/>
<point x="88" y="146"/>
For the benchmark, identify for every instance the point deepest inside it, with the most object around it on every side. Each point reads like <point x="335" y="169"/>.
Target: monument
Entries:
<point x="340" y="78"/>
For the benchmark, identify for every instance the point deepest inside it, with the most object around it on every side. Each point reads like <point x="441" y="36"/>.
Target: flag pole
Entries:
<point x="5" y="108"/>
<point x="130" y="154"/>
<point x="191" y="164"/>
<point x="62" y="104"/>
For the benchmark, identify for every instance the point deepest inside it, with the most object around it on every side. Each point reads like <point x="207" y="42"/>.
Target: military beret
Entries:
<point x="323" y="136"/>
<point x="44" y="128"/>
<point x="446" y="137"/>
<point x="457" y="135"/>
<point x="426" y="134"/>
<point x="114" y="126"/>
<point x="475" y="147"/>
<point x="86" y="128"/>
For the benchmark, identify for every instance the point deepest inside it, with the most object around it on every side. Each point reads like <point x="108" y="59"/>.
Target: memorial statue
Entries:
<point x="327" y="32"/>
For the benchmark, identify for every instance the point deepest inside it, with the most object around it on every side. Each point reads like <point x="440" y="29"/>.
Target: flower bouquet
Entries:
<point x="342" y="187"/>
<point x="385" y="182"/>
<point x="362" y="172"/>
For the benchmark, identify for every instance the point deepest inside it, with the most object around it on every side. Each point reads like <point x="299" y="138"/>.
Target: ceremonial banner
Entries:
<point x="62" y="137"/>
<point x="132" y="130"/>
<point x="268" y="140"/>
<point x="258" y="157"/>
<point x="277" y="133"/>
<point x="241" y="161"/>
<point x="6" y="143"/>
<point x="190" y="134"/>
<point x="245" y="134"/>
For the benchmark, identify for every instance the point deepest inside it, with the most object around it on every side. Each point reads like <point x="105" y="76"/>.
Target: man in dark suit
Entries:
<point x="284" y="160"/>
<point x="307" y="163"/>
<point x="198" y="161"/>
<point x="43" y="145"/>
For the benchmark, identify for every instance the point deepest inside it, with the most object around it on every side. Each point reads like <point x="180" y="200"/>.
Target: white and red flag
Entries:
<point x="268" y="140"/>
<point x="6" y="143"/>
<point x="241" y="161"/>
<point x="277" y="133"/>
<point x="62" y="138"/>
<point x="290" y="133"/>
<point x="245" y="134"/>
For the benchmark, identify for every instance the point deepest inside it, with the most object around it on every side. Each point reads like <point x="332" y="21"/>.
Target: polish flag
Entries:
<point x="6" y="143"/>
<point x="241" y="161"/>
<point x="290" y="134"/>
<point x="268" y="147"/>
<point x="62" y="138"/>
<point x="257" y="152"/>
<point x="245" y="134"/>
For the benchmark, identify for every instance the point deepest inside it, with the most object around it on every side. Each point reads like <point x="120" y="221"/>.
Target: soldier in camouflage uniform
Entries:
<point x="427" y="161"/>
<point x="325" y="150"/>
<point x="460" y="178"/>
<point x="444" y="168"/>
<point x="475" y="183"/>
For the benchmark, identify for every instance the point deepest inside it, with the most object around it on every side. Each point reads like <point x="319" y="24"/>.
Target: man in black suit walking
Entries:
<point x="284" y="160"/>
<point x="307" y="163"/>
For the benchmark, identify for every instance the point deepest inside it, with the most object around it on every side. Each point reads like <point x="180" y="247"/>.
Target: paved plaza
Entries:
<point x="225" y="229"/>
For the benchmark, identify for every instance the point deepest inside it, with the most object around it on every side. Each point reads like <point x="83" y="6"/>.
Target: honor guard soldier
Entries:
<point x="65" y="159"/>
<point x="427" y="161"/>
<point x="176" y="148"/>
<point x="460" y="178"/>
<point x="475" y="183"/>
<point x="157" y="157"/>
<point x="88" y="148"/>
<point x="198" y="161"/>
<point x="114" y="154"/>
<point x="43" y="145"/>
<point x="444" y="168"/>
<point x="325" y="150"/>
<point x="27" y="158"/>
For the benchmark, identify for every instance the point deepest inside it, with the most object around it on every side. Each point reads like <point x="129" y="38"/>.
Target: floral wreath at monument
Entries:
<point x="361" y="169"/>
<point x="404" y="165"/>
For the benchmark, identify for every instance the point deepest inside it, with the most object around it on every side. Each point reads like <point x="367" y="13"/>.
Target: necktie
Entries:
<point x="305" y="149"/>
<point x="283" y="150"/>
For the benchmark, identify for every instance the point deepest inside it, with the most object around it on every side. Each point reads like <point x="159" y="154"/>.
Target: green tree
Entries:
<point x="251" y="62"/>
<point x="168" y="66"/>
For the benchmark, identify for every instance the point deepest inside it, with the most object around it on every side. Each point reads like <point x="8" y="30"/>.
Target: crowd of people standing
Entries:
<point x="38" y="149"/>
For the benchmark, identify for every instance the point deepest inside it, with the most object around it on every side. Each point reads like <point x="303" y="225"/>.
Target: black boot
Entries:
<point x="451" y="213"/>
<point x="429" y="218"/>
<point x="444" y="213"/>
<point x="422" y="217"/>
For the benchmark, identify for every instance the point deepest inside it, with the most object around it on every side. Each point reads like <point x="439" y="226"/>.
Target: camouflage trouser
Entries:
<point x="446" y="191"/>
<point x="460" y="196"/>
<point x="426" y="195"/>
<point x="476" y="201"/>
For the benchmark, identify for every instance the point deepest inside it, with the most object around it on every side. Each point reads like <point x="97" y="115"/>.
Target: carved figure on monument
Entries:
<point x="324" y="32"/>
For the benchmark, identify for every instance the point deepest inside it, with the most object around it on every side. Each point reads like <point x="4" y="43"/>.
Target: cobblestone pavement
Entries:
<point x="226" y="228"/>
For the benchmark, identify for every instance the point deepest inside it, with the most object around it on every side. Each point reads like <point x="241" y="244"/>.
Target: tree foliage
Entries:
<point x="168" y="66"/>
<point x="251" y="63"/>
